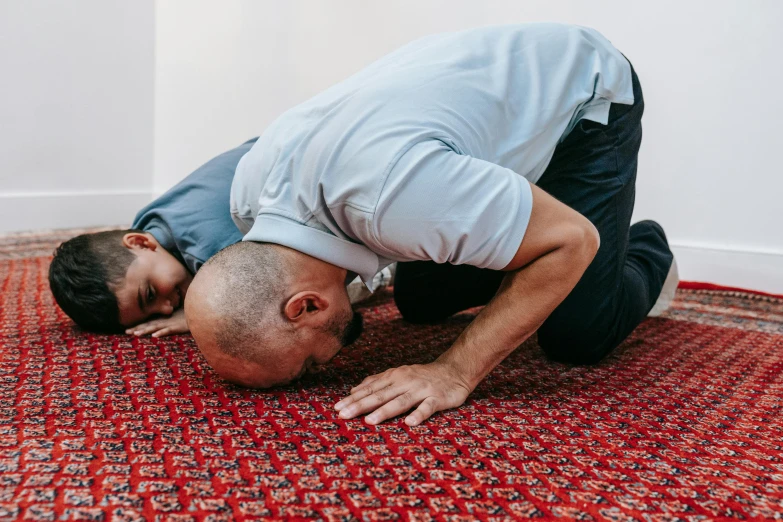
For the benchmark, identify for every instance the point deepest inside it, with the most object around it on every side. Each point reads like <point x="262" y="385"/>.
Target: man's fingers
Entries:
<point x="367" y="380"/>
<point x="360" y="392"/>
<point x="357" y="393"/>
<point x="379" y="396"/>
<point x="423" y="412"/>
<point x="400" y="404"/>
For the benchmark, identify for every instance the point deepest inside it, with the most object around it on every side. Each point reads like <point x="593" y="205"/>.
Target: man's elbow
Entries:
<point x="584" y="241"/>
<point x="592" y="239"/>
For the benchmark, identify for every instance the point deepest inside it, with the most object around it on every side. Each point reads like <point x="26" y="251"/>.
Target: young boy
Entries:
<point x="136" y="280"/>
<point x="118" y="280"/>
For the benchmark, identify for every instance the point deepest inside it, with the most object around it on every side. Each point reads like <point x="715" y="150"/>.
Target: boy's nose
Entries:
<point x="166" y="308"/>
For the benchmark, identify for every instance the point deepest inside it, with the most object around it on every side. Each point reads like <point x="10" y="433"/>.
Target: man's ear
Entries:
<point x="139" y="240"/>
<point x="304" y="305"/>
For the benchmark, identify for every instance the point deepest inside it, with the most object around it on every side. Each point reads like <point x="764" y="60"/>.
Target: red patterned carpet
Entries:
<point x="683" y="422"/>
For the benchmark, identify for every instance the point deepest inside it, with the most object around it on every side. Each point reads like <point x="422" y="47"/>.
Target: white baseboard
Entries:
<point x="44" y="210"/>
<point x="760" y="270"/>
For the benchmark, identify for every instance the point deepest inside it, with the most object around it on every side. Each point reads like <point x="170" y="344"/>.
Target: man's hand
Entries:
<point x="171" y="325"/>
<point x="432" y="387"/>
<point x="558" y="246"/>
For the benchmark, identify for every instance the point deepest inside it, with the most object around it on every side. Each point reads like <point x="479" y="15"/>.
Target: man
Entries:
<point x="497" y="165"/>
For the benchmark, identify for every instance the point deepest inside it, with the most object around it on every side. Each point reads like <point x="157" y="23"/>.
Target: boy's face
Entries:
<point x="155" y="284"/>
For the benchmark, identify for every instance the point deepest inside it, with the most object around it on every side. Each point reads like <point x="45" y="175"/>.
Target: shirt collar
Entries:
<point x="354" y="257"/>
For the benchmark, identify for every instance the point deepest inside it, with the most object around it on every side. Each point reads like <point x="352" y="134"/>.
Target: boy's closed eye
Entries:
<point x="148" y="299"/>
<point x="143" y="299"/>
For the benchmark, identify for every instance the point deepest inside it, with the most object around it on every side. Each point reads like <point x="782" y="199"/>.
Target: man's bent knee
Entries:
<point x="573" y="345"/>
<point x="417" y="311"/>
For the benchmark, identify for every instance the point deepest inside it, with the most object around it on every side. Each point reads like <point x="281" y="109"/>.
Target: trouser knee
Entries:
<point x="573" y="343"/>
<point x="426" y="292"/>
<point x="415" y="307"/>
<point x="414" y="291"/>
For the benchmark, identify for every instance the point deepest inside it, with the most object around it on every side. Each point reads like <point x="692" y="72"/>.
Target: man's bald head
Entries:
<point x="263" y="314"/>
<point x="235" y="308"/>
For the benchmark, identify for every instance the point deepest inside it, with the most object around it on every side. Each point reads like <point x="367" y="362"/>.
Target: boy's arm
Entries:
<point x="171" y="325"/>
<point x="558" y="247"/>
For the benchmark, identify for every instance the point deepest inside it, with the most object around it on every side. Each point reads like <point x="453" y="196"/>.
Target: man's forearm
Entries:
<point x="558" y="246"/>
<point x="525" y="299"/>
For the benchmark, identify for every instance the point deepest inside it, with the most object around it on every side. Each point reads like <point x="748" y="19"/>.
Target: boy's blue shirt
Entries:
<point x="193" y="220"/>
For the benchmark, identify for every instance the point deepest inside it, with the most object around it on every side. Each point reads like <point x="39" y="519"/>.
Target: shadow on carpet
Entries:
<point x="683" y="422"/>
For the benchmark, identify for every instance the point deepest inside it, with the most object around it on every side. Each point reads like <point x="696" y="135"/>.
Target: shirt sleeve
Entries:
<point x="439" y="205"/>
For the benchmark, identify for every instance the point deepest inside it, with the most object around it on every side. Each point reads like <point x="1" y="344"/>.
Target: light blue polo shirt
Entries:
<point x="428" y="153"/>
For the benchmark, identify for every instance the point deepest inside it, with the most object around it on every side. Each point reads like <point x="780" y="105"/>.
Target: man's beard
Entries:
<point x="349" y="330"/>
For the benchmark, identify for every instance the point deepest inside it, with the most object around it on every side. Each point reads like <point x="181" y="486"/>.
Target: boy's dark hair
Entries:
<point x="83" y="275"/>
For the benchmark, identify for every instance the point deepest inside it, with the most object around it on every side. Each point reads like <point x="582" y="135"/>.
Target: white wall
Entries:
<point x="103" y="103"/>
<point x="76" y="112"/>
<point x="222" y="73"/>
<point x="711" y="73"/>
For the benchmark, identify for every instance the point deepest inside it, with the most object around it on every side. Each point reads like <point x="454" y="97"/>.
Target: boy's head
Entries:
<point x="110" y="281"/>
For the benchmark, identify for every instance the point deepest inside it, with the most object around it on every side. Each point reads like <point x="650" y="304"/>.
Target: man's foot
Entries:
<point x="667" y="292"/>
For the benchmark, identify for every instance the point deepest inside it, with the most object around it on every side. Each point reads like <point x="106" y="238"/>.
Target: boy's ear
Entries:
<point x="139" y="240"/>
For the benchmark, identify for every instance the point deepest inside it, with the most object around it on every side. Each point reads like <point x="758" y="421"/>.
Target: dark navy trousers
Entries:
<point x="593" y="170"/>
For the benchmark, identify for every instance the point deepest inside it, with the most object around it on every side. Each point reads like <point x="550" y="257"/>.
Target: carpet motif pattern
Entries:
<point x="683" y="422"/>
